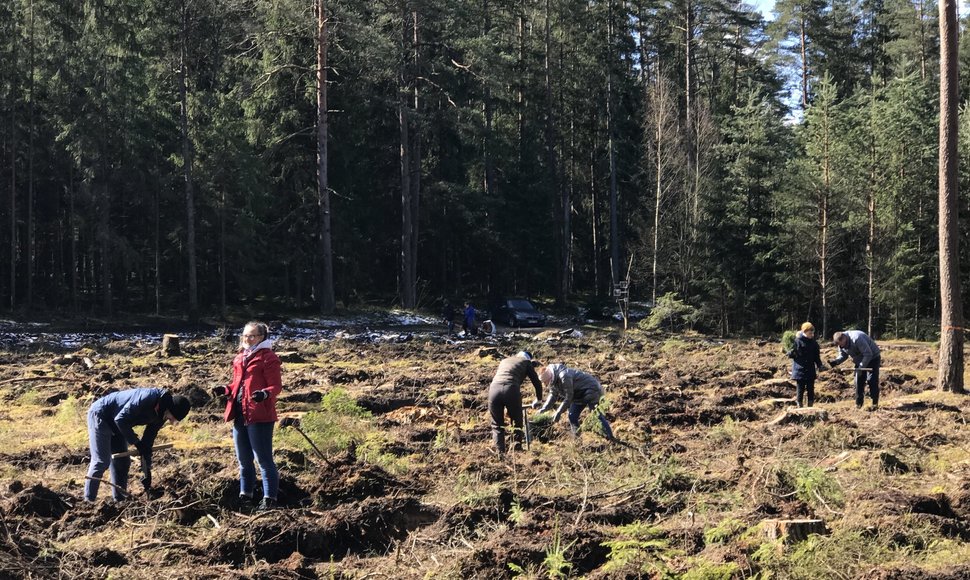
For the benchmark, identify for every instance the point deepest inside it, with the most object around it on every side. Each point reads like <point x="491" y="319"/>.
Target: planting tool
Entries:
<point x="135" y="452"/>
<point x="293" y="420"/>
<point x="525" y="421"/>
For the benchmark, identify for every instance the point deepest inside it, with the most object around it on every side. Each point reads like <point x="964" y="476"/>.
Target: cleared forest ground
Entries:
<point x="409" y="487"/>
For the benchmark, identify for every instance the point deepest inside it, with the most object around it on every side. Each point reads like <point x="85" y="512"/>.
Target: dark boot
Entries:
<point x="267" y="504"/>
<point x="244" y="504"/>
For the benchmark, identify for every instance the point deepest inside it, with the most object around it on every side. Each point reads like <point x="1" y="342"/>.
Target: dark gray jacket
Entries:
<point x="571" y="385"/>
<point x="861" y="349"/>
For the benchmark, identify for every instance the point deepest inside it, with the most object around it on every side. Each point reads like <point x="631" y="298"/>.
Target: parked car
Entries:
<point x="517" y="312"/>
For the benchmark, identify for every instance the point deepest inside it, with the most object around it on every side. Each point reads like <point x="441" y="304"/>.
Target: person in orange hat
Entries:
<point x="806" y="357"/>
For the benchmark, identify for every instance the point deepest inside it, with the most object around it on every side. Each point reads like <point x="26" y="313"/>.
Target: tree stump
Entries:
<point x="792" y="531"/>
<point x="290" y="356"/>
<point x="170" y="345"/>
<point x="776" y="403"/>
<point x="800" y="415"/>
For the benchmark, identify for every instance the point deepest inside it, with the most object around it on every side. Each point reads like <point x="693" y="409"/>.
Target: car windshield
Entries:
<point x="521" y="305"/>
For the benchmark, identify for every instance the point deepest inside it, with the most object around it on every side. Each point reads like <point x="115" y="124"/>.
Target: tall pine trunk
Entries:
<point x="950" y="376"/>
<point x="326" y="298"/>
<point x="187" y="169"/>
<point x="611" y="146"/>
<point x="30" y="244"/>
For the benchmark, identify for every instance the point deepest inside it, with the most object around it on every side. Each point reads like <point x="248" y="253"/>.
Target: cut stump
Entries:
<point x="170" y="345"/>
<point x="290" y="356"/>
<point x="792" y="531"/>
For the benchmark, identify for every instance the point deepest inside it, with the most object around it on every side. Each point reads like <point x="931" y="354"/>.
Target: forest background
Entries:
<point x="162" y="157"/>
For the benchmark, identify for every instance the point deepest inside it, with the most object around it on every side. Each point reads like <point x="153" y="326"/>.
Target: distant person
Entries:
<point x="806" y="357"/>
<point x="865" y="354"/>
<point x="448" y="316"/>
<point x="251" y="406"/>
<point x="468" y="320"/>
<point x="505" y="394"/>
<point x="110" y="422"/>
<point x="577" y="391"/>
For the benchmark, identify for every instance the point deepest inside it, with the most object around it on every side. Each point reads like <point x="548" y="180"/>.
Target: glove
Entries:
<point x="536" y="404"/>
<point x="260" y="396"/>
<point x="831" y="364"/>
<point x="143" y="450"/>
<point x="220" y="391"/>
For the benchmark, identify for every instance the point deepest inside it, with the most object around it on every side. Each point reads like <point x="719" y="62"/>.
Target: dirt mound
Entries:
<point x="39" y="501"/>
<point x="909" y="573"/>
<point x="366" y="528"/>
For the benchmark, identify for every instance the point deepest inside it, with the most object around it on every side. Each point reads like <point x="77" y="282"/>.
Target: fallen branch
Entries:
<point x="124" y="492"/>
<point x="40" y="378"/>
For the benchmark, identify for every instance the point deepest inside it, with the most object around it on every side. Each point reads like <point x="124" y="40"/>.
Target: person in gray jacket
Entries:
<point x="864" y="352"/>
<point x="505" y="393"/>
<point x="577" y="390"/>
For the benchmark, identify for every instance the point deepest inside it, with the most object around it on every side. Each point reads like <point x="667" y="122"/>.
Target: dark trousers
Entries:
<point x="501" y="400"/>
<point x="803" y="387"/>
<point x="871" y="377"/>
<point x="590" y="403"/>
<point x="105" y="441"/>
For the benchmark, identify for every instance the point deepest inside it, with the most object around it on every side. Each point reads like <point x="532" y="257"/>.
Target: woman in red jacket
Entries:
<point x="251" y="406"/>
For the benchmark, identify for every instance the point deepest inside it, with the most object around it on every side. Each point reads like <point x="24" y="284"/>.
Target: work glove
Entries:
<point x="536" y="404"/>
<point x="260" y="396"/>
<point x="831" y="364"/>
<point x="143" y="449"/>
<point x="220" y="391"/>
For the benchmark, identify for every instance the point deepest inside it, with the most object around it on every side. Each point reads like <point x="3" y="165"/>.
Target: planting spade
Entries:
<point x="293" y="420"/>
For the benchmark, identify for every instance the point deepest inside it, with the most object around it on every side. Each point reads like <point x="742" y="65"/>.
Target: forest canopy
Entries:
<point x="162" y="156"/>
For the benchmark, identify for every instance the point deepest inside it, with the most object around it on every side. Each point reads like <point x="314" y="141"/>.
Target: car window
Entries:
<point x="521" y="305"/>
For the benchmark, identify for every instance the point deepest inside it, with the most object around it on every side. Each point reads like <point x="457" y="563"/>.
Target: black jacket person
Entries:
<point x="505" y="394"/>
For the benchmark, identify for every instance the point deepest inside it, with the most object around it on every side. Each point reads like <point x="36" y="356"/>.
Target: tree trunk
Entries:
<point x="950" y="376"/>
<point x="13" y="174"/>
<point x="407" y="280"/>
<point x="558" y="199"/>
<point x="614" y="209"/>
<point x="326" y="297"/>
<point x="802" y="43"/>
<point x="30" y="245"/>
<point x="187" y="169"/>
<point x="104" y="239"/>
<point x="74" y="235"/>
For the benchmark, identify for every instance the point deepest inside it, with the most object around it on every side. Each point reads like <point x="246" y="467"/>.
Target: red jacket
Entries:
<point x="261" y="371"/>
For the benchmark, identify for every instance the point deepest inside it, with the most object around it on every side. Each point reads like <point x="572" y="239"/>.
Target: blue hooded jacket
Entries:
<point x="806" y="356"/>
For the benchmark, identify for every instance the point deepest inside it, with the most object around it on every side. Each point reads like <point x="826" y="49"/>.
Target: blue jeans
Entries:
<point x="104" y="442"/>
<point x="577" y="407"/>
<point x="255" y="440"/>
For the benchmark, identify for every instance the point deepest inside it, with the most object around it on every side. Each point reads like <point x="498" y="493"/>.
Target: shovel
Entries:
<point x="135" y="452"/>
<point x="525" y="421"/>
<point x="294" y="422"/>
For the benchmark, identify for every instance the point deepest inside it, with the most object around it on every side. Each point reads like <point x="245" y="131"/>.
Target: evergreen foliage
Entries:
<point x="722" y="135"/>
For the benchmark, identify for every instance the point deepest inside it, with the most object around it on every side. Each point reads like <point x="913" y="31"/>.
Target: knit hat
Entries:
<point x="524" y="354"/>
<point x="177" y="405"/>
<point x="180" y="407"/>
<point x="806" y="326"/>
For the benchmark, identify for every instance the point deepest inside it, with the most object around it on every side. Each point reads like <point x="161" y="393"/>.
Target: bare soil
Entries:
<point x="698" y="451"/>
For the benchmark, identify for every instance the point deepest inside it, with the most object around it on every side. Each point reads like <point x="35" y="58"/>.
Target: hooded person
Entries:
<point x="577" y="391"/>
<point x="251" y="408"/>
<point x="110" y="429"/>
<point x="505" y="394"/>
<point x="806" y="358"/>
